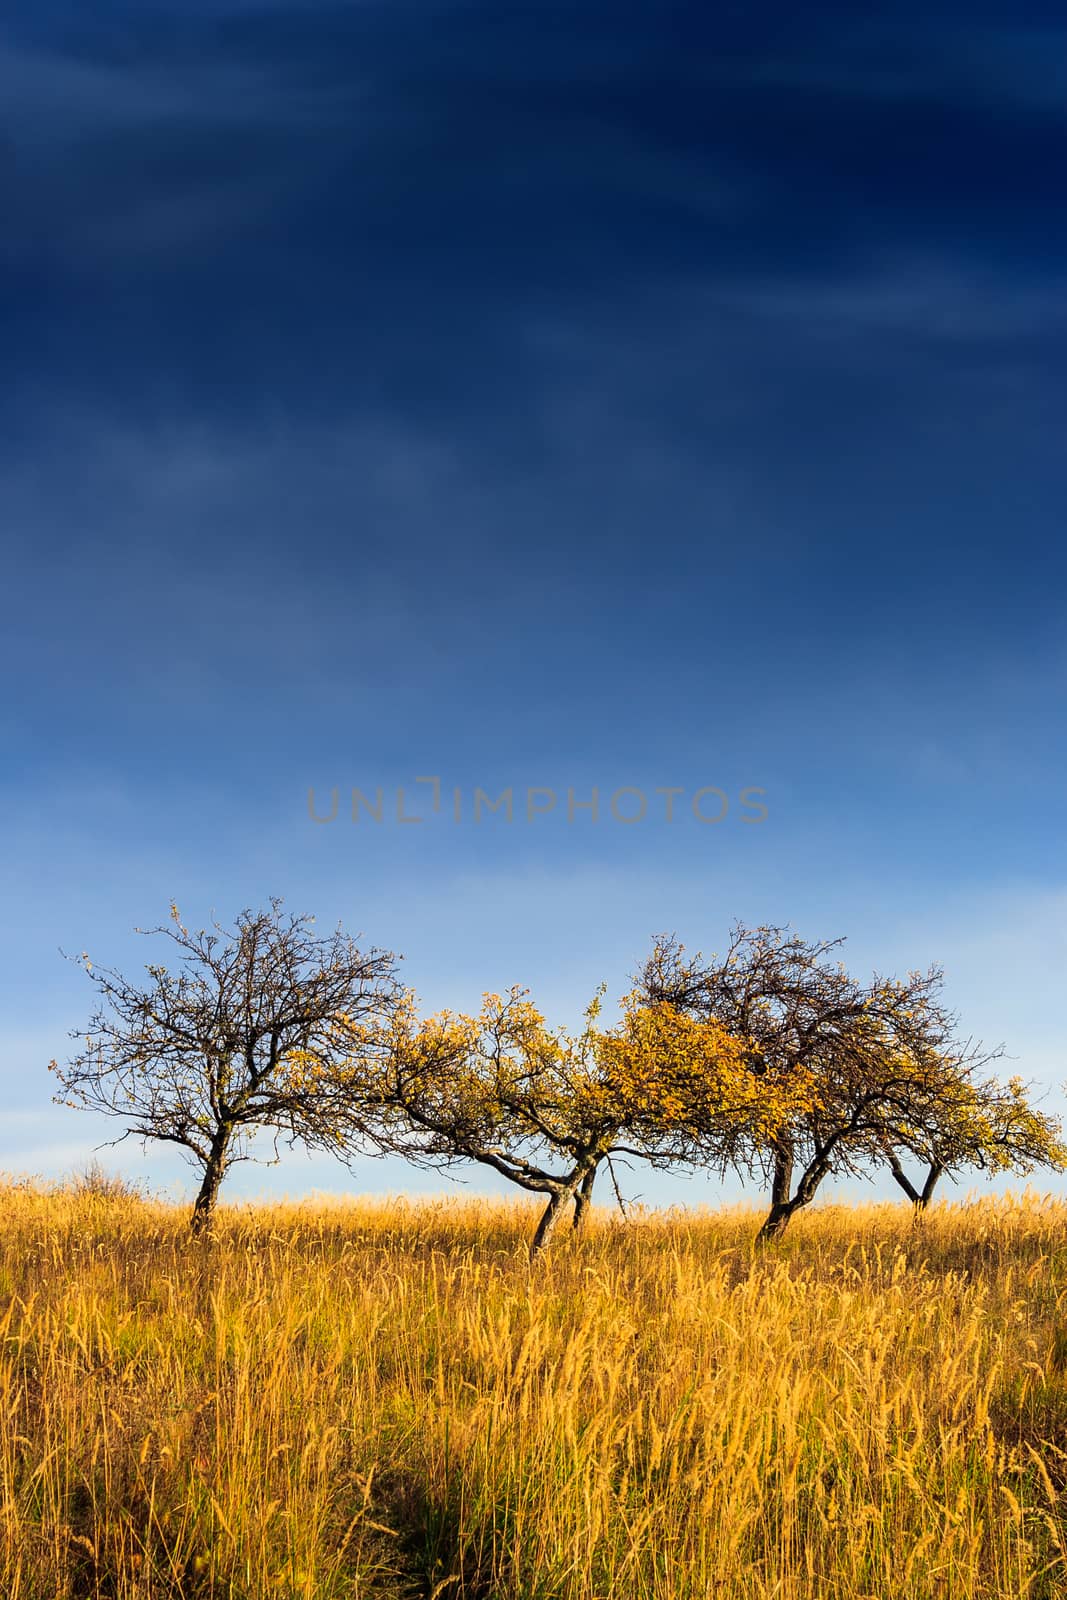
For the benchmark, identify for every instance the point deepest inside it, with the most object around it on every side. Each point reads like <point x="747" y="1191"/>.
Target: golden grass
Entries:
<point x="385" y="1399"/>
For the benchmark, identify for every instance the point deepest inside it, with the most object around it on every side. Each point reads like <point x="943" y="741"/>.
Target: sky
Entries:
<point x="545" y="398"/>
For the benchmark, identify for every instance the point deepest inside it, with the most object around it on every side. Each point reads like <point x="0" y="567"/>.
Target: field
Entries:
<point x="386" y="1400"/>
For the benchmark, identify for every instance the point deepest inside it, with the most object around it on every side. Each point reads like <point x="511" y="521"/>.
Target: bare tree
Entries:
<point x="245" y="1035"/>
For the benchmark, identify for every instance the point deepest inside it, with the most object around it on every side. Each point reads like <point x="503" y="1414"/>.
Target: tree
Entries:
<point x="881" y="1057"/>
<point x="246" y="1035"/>
<point x="545" y="1108"/>
<point x="974" y="1123"/>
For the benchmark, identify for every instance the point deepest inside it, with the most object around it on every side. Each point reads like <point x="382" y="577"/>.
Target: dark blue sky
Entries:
<point x="555" y="396"/>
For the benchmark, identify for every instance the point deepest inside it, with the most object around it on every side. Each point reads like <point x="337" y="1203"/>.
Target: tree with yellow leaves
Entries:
<point x="885" y="1072"/>
<point x="245" y="1035"/>
<point x="546" y="1108"/>
<point x="971" y="1122"/>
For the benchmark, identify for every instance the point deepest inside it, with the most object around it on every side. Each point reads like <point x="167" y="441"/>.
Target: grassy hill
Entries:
<point x="386" y="1399"/>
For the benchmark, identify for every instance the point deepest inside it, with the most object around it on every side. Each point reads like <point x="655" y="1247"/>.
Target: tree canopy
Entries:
<point x="886" y="1072"/>
<point x="243" y="1036"/>
<point x="974" y="1123"/>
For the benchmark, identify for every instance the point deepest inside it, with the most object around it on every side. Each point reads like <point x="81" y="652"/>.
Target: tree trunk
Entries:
<point x="929" y="1186"/>
<point x="905" y="1183"/>
<point x="582" y="1199"/>
<point x="550" y="1219"/>
<point x="920" y="1199"/>
<point x="776" y="1221"/>
<point x="777" y="1218"/>
<point x="214" y="1172"/>
<point x="782" y="1181"/>
<point x="782" y="1205"/>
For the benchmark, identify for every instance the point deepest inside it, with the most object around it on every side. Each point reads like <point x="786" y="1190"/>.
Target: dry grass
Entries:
<point x="386" y="1400"/>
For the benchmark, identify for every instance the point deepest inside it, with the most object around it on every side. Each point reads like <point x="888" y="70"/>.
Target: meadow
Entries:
<point x="386" y="1399"/>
